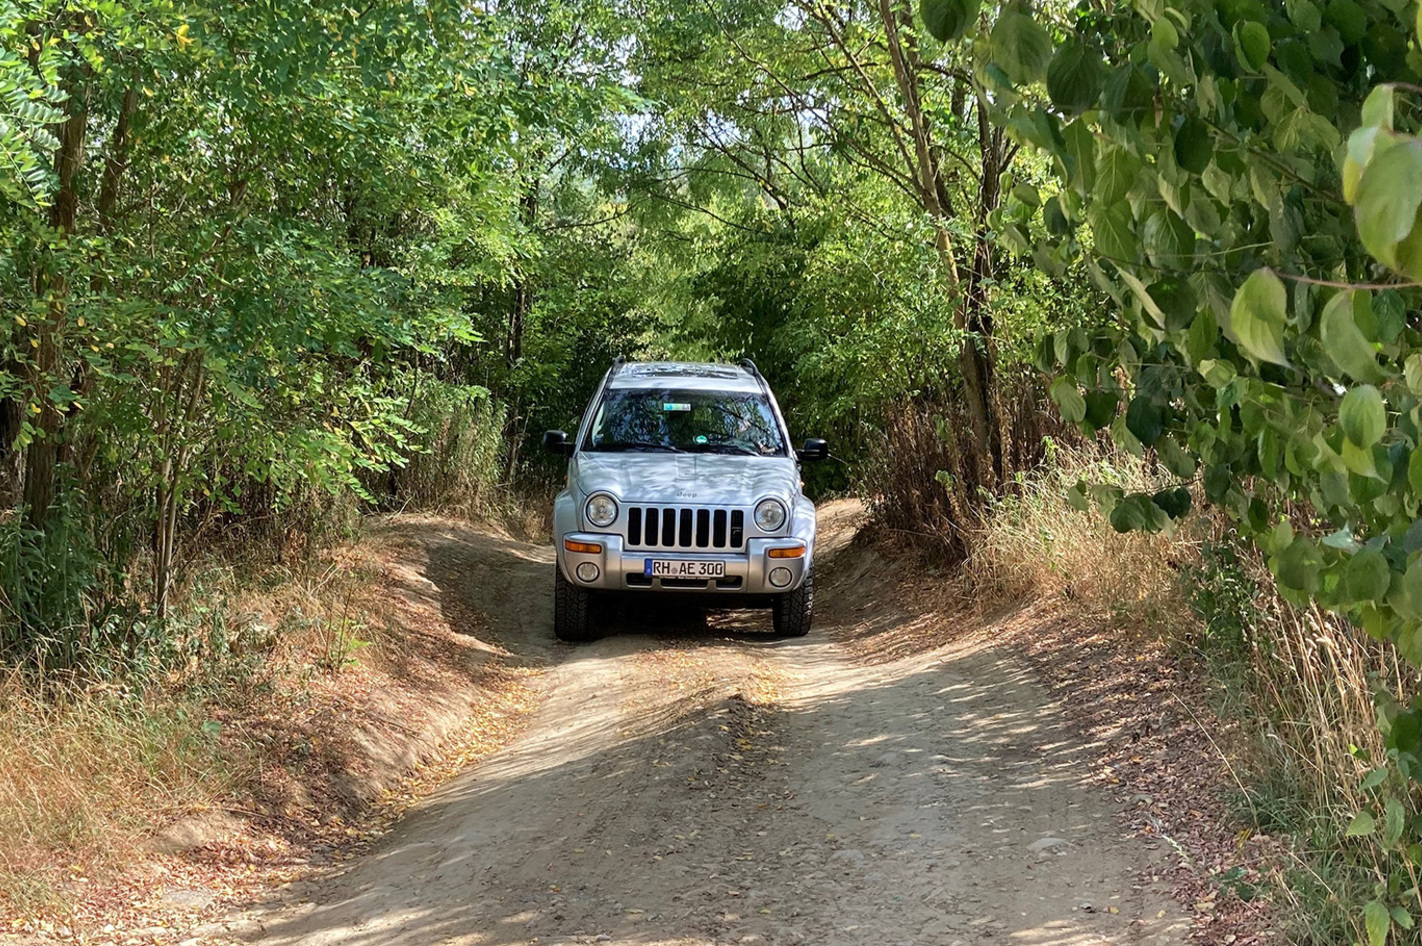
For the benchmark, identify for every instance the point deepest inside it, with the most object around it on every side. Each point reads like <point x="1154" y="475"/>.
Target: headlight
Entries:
<point x="769" y="515"/>
<point x="602" y="510"/>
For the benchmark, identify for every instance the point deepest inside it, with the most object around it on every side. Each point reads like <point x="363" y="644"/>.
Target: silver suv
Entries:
<point x="682" y="480"/>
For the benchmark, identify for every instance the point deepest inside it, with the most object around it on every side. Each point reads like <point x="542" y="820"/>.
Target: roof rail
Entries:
<point x="749" y="365"/>
<point x="617" y="362"/>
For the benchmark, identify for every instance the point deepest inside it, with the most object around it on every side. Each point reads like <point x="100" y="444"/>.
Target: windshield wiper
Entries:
<point x="639" y="445"/>
<point x="731" y="448"/>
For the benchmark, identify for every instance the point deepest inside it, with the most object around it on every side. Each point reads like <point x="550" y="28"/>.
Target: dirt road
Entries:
<point x="685" y="783"/>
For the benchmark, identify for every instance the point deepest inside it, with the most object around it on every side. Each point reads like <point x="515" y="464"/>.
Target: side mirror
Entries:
<point x="814" y="450"/>
<point x="556" y="442"/>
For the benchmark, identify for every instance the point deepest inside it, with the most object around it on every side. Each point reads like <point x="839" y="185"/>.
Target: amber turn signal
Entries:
<point x="592" y="548"/>
<point x="796" y="552"/>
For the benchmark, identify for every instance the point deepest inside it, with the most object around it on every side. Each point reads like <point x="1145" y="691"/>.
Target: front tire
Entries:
<point x="572" y="609"/>
<point x="794" y="611"/>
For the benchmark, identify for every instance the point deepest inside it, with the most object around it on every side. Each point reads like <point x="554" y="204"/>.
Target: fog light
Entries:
<point x="587" y="571"/>
<point x="780" y="577"/>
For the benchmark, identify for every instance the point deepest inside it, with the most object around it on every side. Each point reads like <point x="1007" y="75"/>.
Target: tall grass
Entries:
<point x="1304" y="683"/>
<point x="84" y="777"/>
<point x="1032" y="544"/>
<point x="458" y="466"/>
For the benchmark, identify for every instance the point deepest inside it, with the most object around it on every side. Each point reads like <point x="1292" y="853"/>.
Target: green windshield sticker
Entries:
<point x="701" y="438"/>
<point x="670" y="406"/>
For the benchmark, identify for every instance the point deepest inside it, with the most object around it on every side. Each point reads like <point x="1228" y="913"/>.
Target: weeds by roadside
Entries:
<point x="1299" y="686"/>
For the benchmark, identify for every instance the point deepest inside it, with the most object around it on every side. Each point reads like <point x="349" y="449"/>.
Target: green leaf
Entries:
<point x="1069" y="400"/>
<point x="1200" y="340"/>
<point x="1258" y="315"/>
<point x="1164" y="33"/>
<point x="1394" y="820"/>
<point x="1101" y="408"/>
<point x="1378" y="107"/>
<point x="1362" y="825"/>
<point x="1138" y="513"/>
<point x="1389" y="194"/>
<point x="1348" y="18"/>
<point x="1145" y="419"/>
<point x="1021" y="47"/>
<point x="1193" y="149"/>
<point x="1116" y="174"/>
<point x="1378" y="922"/>
<point x="1175" y="503"/>
<point x="1176" y="300"/>
<point x="948" y="20"/>
<point x="1168" y="241"/>
<point x="1114" y="231"/>
<point x="1414" y="472"/>
<point x="1251" y="44"/>
<point x="1074" y="77"/>
<point x="1027" y="194"/>
<point x="1363" y="416"/>
<point x="1054" y="219"/>
<point x="1350" y="350"/>
<point x="1176" y="460"/>
<point x="1367" y="576"/>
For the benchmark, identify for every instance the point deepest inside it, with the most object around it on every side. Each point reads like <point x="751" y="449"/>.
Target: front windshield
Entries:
<point x="672" y="420"/>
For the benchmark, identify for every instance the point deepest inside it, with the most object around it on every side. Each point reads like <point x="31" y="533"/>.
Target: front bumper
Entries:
<point x="620" y="569"/>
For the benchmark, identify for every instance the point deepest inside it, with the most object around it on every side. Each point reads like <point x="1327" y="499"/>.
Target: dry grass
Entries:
<point x="1033" y="545"/>
<point x="293" y="702"/>
<point x="1300" y="683"/>
<point x="84" y="778"/>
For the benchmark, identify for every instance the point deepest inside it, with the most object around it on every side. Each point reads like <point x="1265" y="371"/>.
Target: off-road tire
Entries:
<point x="572" y="610"/>
<point x="794" y="611"/>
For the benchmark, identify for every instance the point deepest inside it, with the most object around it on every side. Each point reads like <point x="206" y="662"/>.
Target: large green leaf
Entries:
<point x="1362" y="415"/>
<point x="1116" y="174"/>
<point x="1069" y="401"/>
<point x="1251" y="44"/>
<point x="948" y="20"/>
<point x="1193" y="149"/>
<point x="1258" y="315"/>
<point x="1168" y="241"/>
<point x="1389" y="195"/>
<point x="1021" y="47"/>
<point x="1145" y="419"/>
<point x="1114" y="231"/>
<point x="1378" y="921"/>
<point x="1074" y="76"/>
<point x="1344" y="341"/>
<point x="1367" y="576"/>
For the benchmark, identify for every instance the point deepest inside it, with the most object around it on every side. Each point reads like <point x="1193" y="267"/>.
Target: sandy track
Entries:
<point x="685" y="784"/>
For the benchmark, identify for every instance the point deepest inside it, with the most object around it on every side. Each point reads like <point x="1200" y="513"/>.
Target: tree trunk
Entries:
<point x="52" y="287"/>
<point x="117" y="161"/>
<point x="971" y="315"/>
<point x="523" y="291"/>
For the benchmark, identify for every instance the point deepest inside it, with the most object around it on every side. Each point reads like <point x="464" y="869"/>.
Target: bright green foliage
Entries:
<point x="1265" y="271"/>
<point x="278" y="225"/>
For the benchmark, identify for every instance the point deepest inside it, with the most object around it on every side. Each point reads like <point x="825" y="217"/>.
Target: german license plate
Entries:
<point x="671" y="568"/>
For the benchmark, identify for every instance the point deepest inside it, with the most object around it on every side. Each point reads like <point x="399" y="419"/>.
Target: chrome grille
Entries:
<point x="685" y="527"/>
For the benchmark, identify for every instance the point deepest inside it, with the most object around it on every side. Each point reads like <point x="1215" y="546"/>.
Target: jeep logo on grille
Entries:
<point x="685" y="494"/>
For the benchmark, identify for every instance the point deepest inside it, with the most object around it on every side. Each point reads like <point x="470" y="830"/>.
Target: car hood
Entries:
<point x="710" y="479"/>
